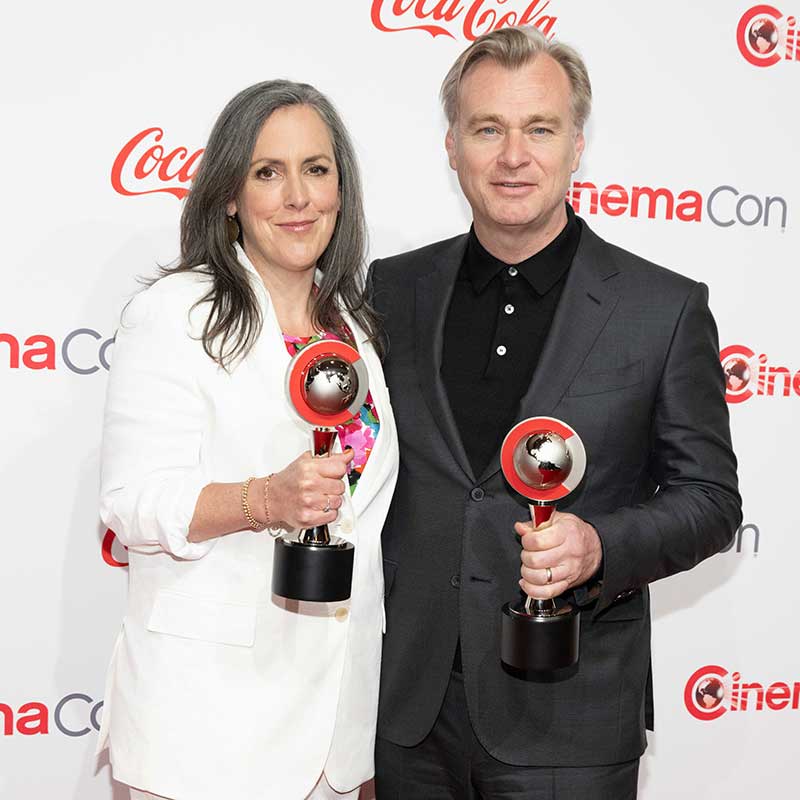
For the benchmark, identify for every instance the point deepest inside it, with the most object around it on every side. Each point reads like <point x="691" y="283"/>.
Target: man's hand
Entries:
<point x="565" y="548"/>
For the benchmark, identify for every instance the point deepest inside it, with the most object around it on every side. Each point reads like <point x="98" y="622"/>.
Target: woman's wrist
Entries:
<point x="250" y="510"/>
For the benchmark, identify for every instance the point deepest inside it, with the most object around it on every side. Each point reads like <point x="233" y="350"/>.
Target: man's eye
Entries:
<point x="488" y="131"/>
<point x="540" y="131"/>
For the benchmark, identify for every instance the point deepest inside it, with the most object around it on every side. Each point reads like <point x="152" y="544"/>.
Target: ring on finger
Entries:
<point x="549" y="573"/>
<point x="327" y="504"/>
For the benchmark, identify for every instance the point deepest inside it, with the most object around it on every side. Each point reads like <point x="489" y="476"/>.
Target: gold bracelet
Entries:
<point x="254" y="524"/>
<point x="266" y="501"/>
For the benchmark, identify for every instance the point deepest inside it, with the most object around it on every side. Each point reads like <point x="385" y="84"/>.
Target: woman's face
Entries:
<point x="287" y="208"/>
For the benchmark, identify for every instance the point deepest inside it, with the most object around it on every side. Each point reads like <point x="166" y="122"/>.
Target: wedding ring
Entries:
<point x="328" y="506"/>
<point x="549" y="574"/>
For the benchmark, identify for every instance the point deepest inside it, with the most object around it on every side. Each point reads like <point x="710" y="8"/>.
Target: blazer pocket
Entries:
<point x="191" y="617"/>
<point x="607" y="380"/>
<point x="389" y="570"/>
<point x="628" y="608"/>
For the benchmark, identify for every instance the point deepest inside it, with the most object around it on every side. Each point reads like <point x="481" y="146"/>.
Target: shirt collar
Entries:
<point x="542" y="270"/>
<point x="242" y="258"/>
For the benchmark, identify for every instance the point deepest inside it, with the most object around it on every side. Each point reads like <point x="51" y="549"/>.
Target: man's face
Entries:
<point x="515" y="146"/>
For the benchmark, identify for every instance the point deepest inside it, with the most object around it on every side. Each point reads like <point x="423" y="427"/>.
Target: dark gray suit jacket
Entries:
<point x="632" y="363"/>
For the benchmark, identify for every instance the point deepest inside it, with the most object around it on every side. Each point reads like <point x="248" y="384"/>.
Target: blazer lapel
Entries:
<point x="383" y="458"/>
<point x="433" y="293"/>
<point x="582" y="313"/>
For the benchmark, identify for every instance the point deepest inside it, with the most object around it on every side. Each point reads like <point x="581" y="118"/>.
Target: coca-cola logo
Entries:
<point x="146" y="166"/>
<point x="466" y="18"/>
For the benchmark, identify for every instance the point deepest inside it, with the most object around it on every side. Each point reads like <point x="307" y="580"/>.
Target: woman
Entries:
<point x="216" y="689"/>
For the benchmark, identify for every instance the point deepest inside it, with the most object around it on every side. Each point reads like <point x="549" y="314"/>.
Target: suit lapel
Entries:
<point x="433" y="293"/>
<point x="582" y="313"/>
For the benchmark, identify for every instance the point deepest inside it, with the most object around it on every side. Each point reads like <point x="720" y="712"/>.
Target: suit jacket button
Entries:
<point x="455" y="581"/>
<point x="477" y="494"/>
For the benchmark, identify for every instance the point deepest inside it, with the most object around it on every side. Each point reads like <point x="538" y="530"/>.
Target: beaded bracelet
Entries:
<point x="266" y="500"/>
<point x="254" y="524"/>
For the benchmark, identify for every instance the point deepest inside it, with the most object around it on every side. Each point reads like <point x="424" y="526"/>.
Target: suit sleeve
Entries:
<point x="697" y="506"/>
<point x="151" y="474"/>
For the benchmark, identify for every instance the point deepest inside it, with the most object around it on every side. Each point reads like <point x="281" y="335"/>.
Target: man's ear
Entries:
<point x="450" y="146"/>
<point x="580" y="143"/>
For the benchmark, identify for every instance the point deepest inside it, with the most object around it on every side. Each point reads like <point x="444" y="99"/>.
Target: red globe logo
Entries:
<point x="709" y="693"/>
<point x="758" y="37"/>
<point x="737" y="374"/>
<point x="763" y="35"/>
<point x="704" y="693"/>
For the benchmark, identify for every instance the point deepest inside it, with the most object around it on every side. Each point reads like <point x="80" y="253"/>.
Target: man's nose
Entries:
<point x="515" y="151"/>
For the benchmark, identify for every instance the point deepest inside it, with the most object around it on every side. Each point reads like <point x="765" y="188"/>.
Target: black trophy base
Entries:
<point x="314" y="572"/>
<point x="539" y="642"/>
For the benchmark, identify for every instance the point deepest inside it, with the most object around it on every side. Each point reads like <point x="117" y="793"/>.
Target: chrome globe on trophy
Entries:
<point x="326" y="385"/>
<point x="544" y="460"/>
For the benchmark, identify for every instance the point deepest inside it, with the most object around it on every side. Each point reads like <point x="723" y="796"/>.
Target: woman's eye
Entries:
<point x="266" y="172"/>
<point x="318" y="169"/>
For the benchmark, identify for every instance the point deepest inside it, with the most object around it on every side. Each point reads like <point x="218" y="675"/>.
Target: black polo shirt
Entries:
<point x="496" y="326"/>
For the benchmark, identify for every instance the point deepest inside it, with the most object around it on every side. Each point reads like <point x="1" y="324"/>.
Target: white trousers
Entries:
<point x="322" y="791"/>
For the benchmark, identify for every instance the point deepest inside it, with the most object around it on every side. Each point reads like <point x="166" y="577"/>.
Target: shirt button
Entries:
<point x="509" y="309"/>
<point x="455" y="581"/>
<point x="477" y="494"/>
<point x="341" y="614"/>
<point x="501" y="351"/>
<point x="512" y="271"/>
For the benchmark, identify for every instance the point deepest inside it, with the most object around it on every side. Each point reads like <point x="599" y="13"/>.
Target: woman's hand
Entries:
<point x="309" y="491"/>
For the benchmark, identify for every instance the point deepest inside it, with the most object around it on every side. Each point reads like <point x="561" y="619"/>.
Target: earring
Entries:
<point x="232" y="228"/>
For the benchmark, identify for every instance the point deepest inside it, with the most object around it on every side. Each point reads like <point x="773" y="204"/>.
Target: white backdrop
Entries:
<point x="682" y="104"/>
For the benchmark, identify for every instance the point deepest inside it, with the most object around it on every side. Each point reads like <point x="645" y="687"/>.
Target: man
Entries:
<point x="532" y="314"/>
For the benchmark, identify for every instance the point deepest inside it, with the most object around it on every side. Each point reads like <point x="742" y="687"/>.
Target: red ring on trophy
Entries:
<point x="529" y="427"/>
<point x="303" y="361"/>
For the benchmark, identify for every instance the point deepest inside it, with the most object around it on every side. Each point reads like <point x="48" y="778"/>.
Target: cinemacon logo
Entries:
<point x="748" y="375"/>
<point x="83" y="351"/>
<point x="765" y="37"/>
<point x="469" y="18"/>
<point x="75" y="714"/>
<point x="712" y="690"/>
<point x="724" y="206"/>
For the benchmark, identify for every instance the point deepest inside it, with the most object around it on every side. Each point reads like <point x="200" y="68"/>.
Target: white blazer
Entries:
<point x="216" y="689"/>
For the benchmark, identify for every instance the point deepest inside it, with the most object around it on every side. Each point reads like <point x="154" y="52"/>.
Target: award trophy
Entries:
<point x="544" y="460"/>
<point x="326" y="384"/>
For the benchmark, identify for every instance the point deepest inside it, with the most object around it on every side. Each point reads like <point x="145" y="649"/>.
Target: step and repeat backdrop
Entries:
<point x="691" y="161"/>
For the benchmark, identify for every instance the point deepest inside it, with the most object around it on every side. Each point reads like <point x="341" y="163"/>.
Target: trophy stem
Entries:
<point x="541" y="511"/>
<point x="323" y="442"/>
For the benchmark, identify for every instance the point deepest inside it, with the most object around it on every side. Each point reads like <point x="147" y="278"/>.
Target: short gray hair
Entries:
<point x="513" y="48"/>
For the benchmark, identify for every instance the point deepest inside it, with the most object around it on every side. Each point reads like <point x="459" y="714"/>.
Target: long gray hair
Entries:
<point x="234" y="320"/>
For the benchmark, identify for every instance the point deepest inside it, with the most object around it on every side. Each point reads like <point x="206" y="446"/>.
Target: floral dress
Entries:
<point x="360" y="433"/>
